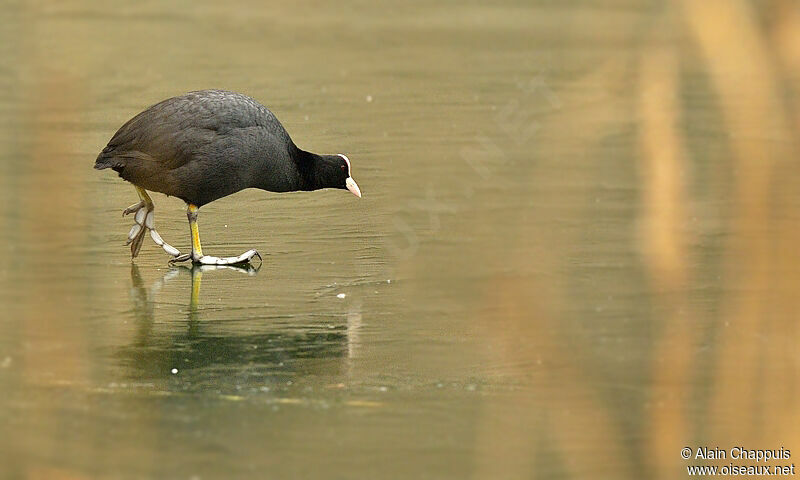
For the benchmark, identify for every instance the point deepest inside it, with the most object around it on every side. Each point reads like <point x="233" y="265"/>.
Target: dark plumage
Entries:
<point x="205" y="145"/>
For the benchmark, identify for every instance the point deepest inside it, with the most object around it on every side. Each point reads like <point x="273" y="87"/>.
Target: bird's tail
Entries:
<point x="106" y="159"/>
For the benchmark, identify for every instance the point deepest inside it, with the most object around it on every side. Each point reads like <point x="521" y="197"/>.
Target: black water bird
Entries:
<point x="205" y="145"/>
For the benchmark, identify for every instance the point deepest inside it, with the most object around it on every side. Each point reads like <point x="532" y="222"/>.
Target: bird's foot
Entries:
<point x="133" y="208"/>
<point x="180" y="258"/>
<point x="242" y="259"/>
<point x="145" y="222"/>
<point x="247" y="268"/>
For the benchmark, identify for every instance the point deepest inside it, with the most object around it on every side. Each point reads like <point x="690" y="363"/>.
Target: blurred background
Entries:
<point x="576" y="253"/>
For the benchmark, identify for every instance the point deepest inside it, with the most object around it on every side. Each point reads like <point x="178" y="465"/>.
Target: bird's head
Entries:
<point x="327" y="171"/>
<point x="349" y="183"/>
<point x="333" y="171"/>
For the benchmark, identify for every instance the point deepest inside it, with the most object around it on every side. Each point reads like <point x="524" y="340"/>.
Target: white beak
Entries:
<point x="352" y="186"/>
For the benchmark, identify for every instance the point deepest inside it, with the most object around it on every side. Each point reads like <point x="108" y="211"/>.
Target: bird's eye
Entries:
<point x="342" y="167"/>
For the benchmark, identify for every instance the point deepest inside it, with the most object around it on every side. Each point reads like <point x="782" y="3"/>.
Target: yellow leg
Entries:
<point x="144" y="201"/>
<point x="145" y="197"/>
<point x="197" y="249"/>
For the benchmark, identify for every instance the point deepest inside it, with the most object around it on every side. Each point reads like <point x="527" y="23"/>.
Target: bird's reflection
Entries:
<point x="197" y="346"/>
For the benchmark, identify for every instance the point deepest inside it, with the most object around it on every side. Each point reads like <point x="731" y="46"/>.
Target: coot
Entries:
<point x="205" y="145"/>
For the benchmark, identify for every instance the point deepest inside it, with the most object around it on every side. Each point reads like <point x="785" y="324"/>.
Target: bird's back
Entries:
<point x="199" y="146"/>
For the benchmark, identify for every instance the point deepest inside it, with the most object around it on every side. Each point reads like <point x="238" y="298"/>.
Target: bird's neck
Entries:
<point x="313" y="170"/>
